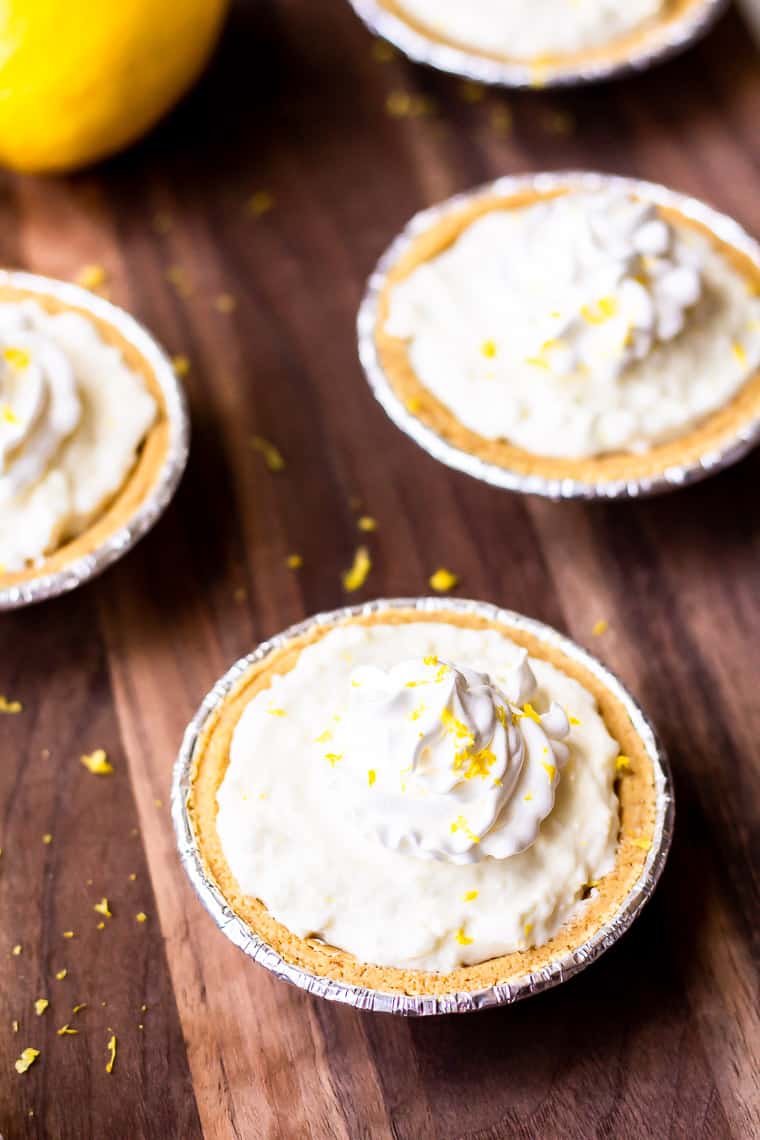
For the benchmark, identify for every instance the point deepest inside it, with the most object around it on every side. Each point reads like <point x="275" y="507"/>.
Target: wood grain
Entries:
<point x="659" y="1038"/>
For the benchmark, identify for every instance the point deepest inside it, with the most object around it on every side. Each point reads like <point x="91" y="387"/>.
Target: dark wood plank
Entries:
<point x="659" y="1038"/>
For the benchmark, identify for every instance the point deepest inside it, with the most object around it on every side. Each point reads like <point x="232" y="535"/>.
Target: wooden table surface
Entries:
<point x="660" y="1038"/>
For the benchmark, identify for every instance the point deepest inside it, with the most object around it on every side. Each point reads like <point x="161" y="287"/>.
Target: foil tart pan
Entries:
<point x="239" y="932"/>
<point x="81" y="570"/>
<point x="666" y="40"/>
<point x="721" y="226"/>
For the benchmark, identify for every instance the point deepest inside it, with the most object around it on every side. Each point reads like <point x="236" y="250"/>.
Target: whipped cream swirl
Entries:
<point x="440" y="763"/>
<point x="39" y="405"/>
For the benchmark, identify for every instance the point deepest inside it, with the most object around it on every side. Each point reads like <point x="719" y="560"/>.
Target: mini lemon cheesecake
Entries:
<point x="578" y="334"/>
<point x="83" y="433"/>
<point x="422" y="802"/>
<point x="551" y="36"/>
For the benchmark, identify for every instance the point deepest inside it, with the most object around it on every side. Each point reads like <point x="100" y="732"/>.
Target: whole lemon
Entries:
<point x="79" y="80"/>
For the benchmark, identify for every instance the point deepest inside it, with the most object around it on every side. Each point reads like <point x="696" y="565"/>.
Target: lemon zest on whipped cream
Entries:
<point x="461" y="824"/>
<point x="371" y="776"/>
<point x="488" y="349"/>
<point x="470" y="896"/>
<point x="529" y="712"/>
<point x="355" y="577"/>
<point x="740" y="353"/>
<point x="550" y="769"/>
<point x="18" y="358"/>
<point x="462" y="938"/>
<point x="604" y="310"/>
<point x="332" y="758"/>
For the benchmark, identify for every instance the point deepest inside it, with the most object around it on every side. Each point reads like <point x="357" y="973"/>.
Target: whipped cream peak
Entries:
<point x="441" y="763"/>
<point x="39" y="403"/>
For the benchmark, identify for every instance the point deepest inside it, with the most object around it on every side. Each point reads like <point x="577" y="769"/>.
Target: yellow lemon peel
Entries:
<point x="97" y="762"/>
<point x="27" y="1058"/>
<point x="443" y="580"/>
<point x="355" y="577"/>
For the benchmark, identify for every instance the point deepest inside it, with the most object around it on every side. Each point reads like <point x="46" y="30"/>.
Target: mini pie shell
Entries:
<point x="142" y="476"/>
<point x="617" y="51"/>
<point x="635" y="787"/>
<point x="710" y="434"/>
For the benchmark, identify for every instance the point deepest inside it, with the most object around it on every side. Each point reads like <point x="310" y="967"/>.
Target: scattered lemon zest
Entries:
<point x="17" y="950"/>
<point x="61" y="974"/>
<point x="68" y="934"/>
<point x="76" y="1008"/>
<point x="462" y="938"/>
<point x="383" y="52"/>
<point x="14" y="1025"/>
<point x="101" y="926"/>
<point x="622" y="762"/>
<point x="7" y="706"/>
<point x="366" y="523"/>
<point x="600" y="627"/>
<point x="333" y="758"/>
<point x="27" y="1058"/>
<point x="472" y="92"/>
<point x="443" y="580"/>
<point x="47" y="838"/>
<point x="470" y="896"/>
<point x="356" y="576"/>
<point x="528" y="797"/>
<point x="502" y="119"/>
<point x="260" y="203"/>
<point x="573" y="720"/>
<point x="323" y="737"/>
<point x="181" y="364"/>
<point x="40" y="1006"/>
<point x="415" y="714"/>
<point x="538" y="362"/>
<point x="408" y="105"/>
<point x="97" y="762"/>
<point x="179" y="278"/>
<point x="66" y="1031"/>
<point x="488" y="349"/>
<point x="550" y="769"/>
<point x="277" y="712"/>
<point x="111" y="1046"/>
<point x="141" y="916"/>
<point x="91" y="276"/>
<point x="272" y="454"/>
<point x="294" y="562"/>
<point x="371" y="776"/>
<point x="225" y="303"/>
<point x="103" y="908"/>
<point x="527" y="929"/>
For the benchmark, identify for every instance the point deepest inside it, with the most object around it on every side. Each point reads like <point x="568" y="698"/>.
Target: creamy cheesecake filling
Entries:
<point x="531" y="29"/>
<point x="72" y="416"/>
<point x="578" y="325"/>
<point x="472" y="840"/>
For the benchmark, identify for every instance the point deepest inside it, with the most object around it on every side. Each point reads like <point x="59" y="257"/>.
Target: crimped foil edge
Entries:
<point x="723" y="227"/>
<point x="82" y="569"/>
<point x="664" y="42"/>
<point x="408" y="1005"/>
